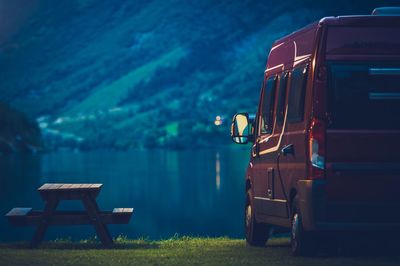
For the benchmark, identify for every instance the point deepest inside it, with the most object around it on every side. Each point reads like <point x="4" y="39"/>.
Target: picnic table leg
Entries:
<point x="49" y="208"/>
<point x="93" y="212"/>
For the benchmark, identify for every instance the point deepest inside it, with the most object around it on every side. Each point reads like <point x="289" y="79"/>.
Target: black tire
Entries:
<point x="302" y="242"/>
<point x="257" y="234"/>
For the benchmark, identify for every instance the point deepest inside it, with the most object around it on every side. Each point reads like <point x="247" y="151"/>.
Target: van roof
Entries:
<point x="358" y="20"/>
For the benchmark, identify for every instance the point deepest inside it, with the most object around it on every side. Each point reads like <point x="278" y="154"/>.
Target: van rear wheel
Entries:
<point x="302" y="242"/>
<point x="257" y="234"/>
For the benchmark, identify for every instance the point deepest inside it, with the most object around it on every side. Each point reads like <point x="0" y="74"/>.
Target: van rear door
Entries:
<point x="363" y="140"/>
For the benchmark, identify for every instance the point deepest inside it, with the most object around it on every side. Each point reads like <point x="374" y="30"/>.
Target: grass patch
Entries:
<point x="174" y="251"/>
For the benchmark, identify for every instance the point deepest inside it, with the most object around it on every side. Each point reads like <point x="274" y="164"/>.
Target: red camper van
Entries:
<point x="326" y="135"/>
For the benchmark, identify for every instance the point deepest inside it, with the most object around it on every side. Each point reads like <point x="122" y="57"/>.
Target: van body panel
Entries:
<point x="363" y="146"/>
<point x="319" y="215"/>
<point x="292" y="50"/>
<point x="362" y="139"/>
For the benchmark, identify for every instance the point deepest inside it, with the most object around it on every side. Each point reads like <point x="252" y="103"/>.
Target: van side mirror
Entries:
<point x="241" y="132"/>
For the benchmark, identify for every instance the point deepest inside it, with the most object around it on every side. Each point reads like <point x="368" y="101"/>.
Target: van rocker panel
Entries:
<point x="271" y="207"/>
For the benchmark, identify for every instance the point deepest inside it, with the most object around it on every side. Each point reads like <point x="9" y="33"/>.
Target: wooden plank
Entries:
<point x="56" y="186"/>
<point x="82" y="186"/>
<point x="48" y="186"/>
<point x="44" y="186"/>
<point x="68" y="186"/>
<point x="122" y="210"/>
<point x="61" y="187"/>
<point x="64" y="186"/>
<point x="18" y="212"/>
<point x="120" y="216"/>
<point x="96" y="186"/>
<point x="70" y="218"/>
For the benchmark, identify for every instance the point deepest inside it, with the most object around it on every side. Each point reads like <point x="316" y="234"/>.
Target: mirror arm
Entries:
<point x="251" y="138"/>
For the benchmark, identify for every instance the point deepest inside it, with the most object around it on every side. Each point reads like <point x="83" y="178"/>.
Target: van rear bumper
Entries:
<point x="318" y="214"/>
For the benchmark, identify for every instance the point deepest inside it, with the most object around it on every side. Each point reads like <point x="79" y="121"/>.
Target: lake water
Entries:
<point x="196" y="193"/>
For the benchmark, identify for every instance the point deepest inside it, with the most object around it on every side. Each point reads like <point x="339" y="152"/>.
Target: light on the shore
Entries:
<point x="218" y="121"/>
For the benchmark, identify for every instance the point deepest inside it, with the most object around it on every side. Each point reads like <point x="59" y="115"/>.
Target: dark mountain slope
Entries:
<point x="147" y="73"/>
<point x="17" y="132"/>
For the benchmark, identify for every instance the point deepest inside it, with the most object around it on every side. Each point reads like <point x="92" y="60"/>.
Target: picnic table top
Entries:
<point x="68" y="187"/>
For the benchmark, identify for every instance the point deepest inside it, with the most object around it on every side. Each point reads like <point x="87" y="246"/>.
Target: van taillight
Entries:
<point x="316" y="141"/>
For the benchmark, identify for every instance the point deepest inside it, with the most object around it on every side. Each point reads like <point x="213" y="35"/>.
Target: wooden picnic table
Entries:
<point x="52" y="194"/>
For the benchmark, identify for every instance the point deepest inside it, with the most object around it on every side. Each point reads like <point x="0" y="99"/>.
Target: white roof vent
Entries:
<point x="386" y="11"/>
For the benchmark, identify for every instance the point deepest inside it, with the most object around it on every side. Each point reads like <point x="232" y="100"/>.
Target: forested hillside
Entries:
<point x="17" y="132"/>
<point x="147" y="73"/>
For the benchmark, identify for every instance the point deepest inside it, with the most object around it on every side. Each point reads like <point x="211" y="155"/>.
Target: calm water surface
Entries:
<point x="197" y="193"/>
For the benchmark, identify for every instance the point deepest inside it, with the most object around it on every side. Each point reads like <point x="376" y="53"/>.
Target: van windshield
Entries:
<point x="364" y="95"/>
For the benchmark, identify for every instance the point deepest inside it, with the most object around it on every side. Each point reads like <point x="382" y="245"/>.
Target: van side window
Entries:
<point x="298" y="81"/>
<point x="280" y="109"/>
<point x="267" y="107"/>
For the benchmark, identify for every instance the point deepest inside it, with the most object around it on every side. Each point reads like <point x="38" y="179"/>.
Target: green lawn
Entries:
<point x="177" y="251"/>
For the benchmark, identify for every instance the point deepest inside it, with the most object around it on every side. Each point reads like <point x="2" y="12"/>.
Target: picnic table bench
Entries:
<point x="52" y="194"/>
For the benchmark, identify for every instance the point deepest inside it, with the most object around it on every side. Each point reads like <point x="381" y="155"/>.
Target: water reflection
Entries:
<point x="20" y="175"/>
<point x="217" y="171"/>
<point x="186" y="192"/>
